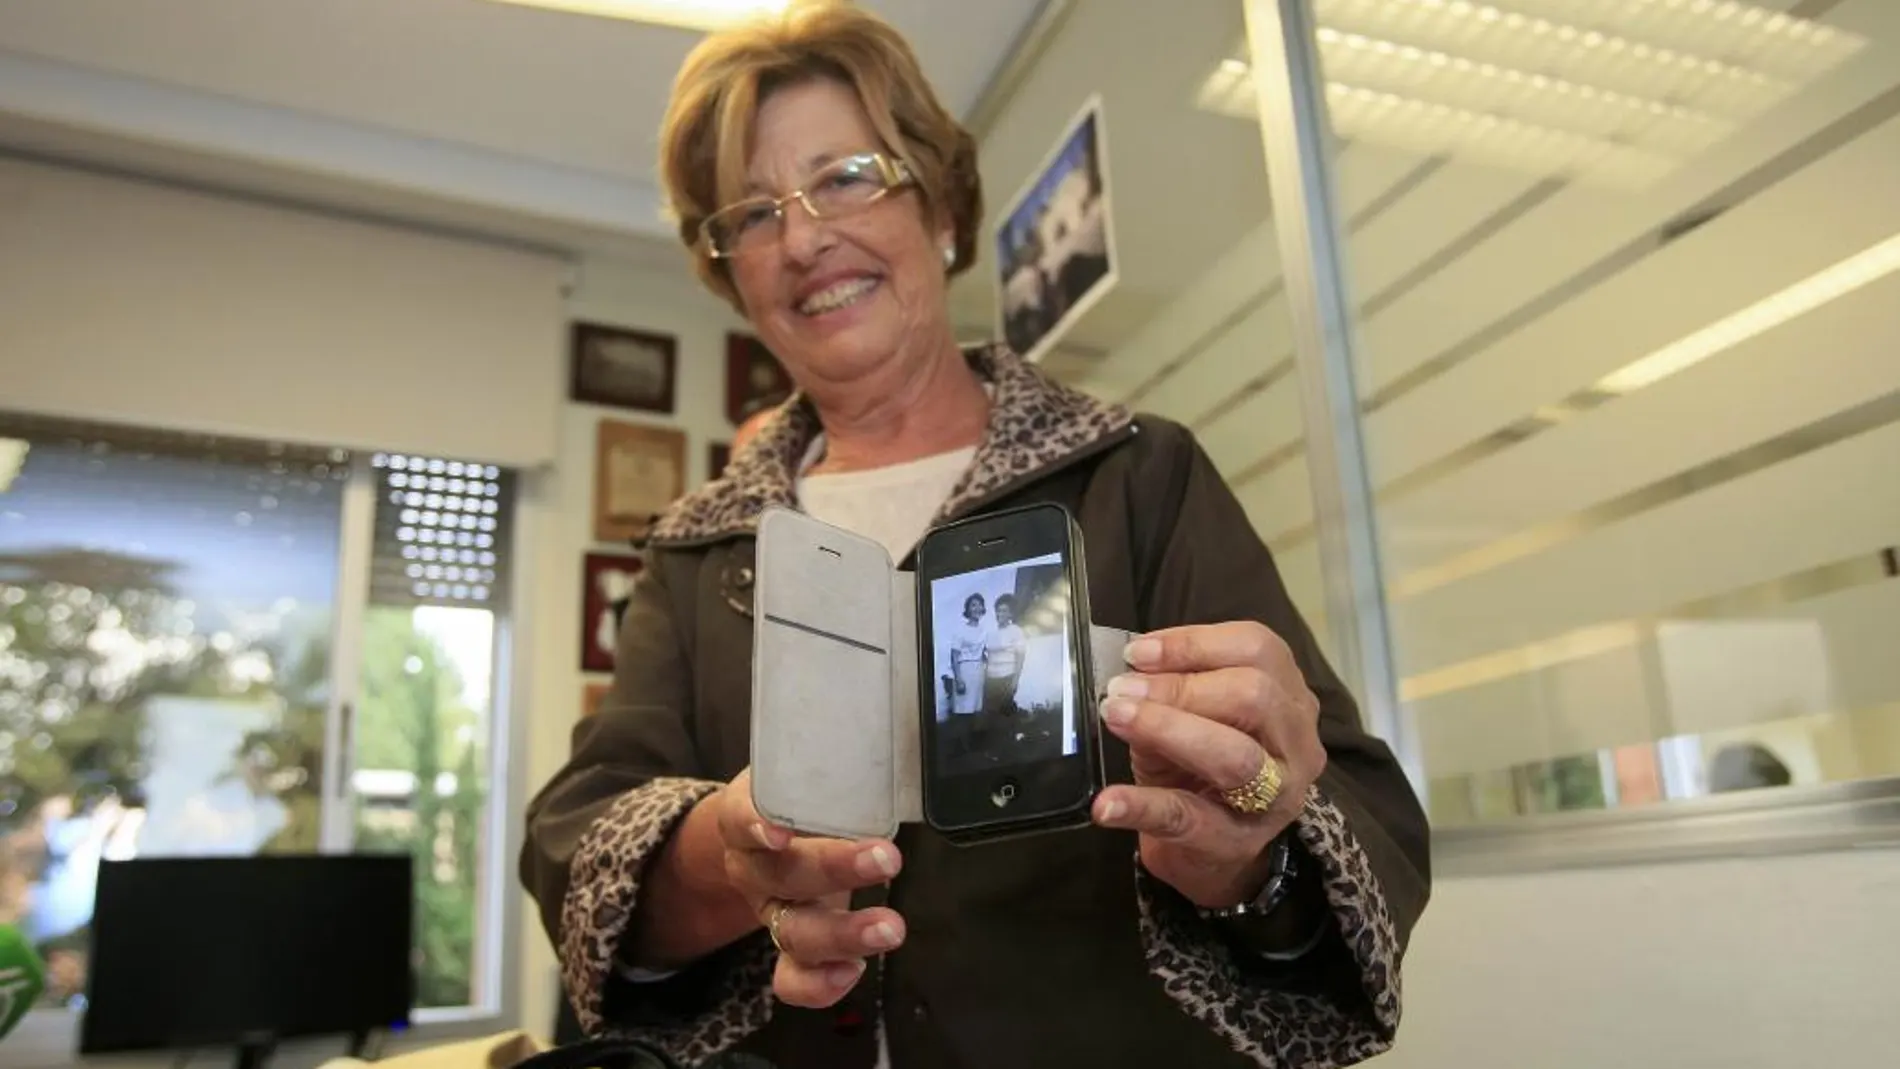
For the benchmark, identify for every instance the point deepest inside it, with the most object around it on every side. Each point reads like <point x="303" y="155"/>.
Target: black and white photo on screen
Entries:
<point x="1002" y="666"/>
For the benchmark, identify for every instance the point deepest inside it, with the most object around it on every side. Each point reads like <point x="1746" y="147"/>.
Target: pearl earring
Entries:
<point x="949" y="256"/>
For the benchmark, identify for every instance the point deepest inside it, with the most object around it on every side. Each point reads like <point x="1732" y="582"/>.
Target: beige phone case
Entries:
<point x="836" y="739"/>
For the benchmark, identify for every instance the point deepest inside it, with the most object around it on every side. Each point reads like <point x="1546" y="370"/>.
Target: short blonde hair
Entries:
<point x="716" y="97"/>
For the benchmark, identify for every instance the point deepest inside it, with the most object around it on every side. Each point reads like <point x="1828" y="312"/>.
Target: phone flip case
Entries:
<point x="836" y="734"/>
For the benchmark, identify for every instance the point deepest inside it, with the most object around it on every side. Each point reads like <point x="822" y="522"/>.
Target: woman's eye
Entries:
<point x="752" y="217"/>
<point x="845" y="180"/>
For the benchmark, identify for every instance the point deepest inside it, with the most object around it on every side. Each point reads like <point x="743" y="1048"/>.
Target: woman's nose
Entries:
<point x="804" y="235"/>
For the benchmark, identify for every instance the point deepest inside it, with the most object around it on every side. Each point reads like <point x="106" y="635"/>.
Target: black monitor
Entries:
<point x="203" y="952"/>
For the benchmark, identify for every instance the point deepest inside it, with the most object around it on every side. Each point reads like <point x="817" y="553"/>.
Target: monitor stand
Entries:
<point x="253" y="1052"/>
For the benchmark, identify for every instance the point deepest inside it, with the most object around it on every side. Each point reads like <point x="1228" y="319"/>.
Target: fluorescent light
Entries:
<point x="1431" y="128"/>
<point x="1764" y="315"/>
<point x="1606" y="92"/>
<point x="702" y="15"/>
<point x="1532" y="97"/>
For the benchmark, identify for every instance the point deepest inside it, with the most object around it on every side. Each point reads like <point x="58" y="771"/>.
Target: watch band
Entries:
<point x="1282" y="870"/>
<point x="1285" y="867"/>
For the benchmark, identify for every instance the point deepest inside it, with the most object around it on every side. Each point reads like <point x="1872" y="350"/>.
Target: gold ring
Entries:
<point x="1258" y="794"/>
<point x="779" y="910"/>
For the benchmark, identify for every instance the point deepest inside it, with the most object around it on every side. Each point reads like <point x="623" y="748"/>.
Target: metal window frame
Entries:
<point x="1299" y="148"/>
<point x="1299" y="154"/>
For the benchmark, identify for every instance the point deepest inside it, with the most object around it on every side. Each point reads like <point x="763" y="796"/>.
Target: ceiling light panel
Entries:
<point x="1775" y="43"/>
<point x="1509" y="93"/>
<point x="1621" y="92"/>
<point x="703" y="15"/>
<point x="1430" y="128"/>
<point x="1609" y="58"/>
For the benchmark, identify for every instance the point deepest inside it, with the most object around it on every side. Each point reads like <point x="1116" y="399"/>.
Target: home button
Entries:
<point x="1005" y="792"/>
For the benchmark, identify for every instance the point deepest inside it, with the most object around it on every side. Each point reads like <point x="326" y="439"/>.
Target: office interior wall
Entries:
<point x="125" y="300"/>
<point x="661" y="296"/>
<point x="1746" y="963"/>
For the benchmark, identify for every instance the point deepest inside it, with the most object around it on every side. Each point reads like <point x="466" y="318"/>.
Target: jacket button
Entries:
<point x="919" y="1012"/>
<point x="744" y="578"/>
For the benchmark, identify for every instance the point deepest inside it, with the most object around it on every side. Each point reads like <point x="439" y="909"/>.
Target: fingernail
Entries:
<point x="879" y="860"/>
<point x="844" y="973"/>
<point x="758" y="832"/>
<point x="1112" y="810"/>
<point x="1142" y="651"/>
<point x="881" y="936"/>
<point x="1128" y="686"/>
<point x="1118" y="711"/>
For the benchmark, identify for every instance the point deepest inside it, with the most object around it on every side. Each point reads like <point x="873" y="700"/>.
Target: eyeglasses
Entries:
<point x="841" y="188"/>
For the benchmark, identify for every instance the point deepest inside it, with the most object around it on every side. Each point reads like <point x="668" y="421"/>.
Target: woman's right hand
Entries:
<point x="805" y="885"/>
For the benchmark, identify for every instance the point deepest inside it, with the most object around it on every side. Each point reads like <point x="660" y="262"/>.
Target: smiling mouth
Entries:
<point x="837" y="295"/>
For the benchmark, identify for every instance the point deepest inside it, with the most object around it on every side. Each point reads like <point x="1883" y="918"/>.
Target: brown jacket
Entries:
<point x="1047" y="952"/>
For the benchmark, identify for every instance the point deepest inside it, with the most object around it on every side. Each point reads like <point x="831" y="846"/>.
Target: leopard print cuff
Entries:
<point x="604" y="887"/>
<point x="1282" y="1029"/>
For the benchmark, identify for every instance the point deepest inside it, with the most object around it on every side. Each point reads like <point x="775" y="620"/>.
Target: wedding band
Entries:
<point x="1258" y="794"/>
<point x="779" y="910"/>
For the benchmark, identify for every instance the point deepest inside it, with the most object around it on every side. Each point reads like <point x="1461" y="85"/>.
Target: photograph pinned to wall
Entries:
<point x="754" y="377"/>
<point x="638" y="472"/>
<point x="607" y="586"/>
<point x="623" y="368"/>
<point x="591" y="697"/>
<point x="1055" y="246"/>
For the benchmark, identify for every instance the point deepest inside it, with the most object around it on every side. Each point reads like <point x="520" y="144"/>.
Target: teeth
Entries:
<point x="836" y="296"/>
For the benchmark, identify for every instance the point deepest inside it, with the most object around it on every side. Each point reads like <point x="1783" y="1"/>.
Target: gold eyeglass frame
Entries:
<point x="895" y="173"/>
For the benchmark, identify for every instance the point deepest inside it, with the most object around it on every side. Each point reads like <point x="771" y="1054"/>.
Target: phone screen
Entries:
<point x="1004" y="666"/>
<point x="1006" y="725"/>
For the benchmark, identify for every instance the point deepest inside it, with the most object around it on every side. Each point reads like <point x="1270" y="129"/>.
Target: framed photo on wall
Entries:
<point x="607" y="581"/>
<point x="1055" y="246"/>
<point x="623" y="368"/>
<point x="754" y="377"/>
<point x="638" y="472"/>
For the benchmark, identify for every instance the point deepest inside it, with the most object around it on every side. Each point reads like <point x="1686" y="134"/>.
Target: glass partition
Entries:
<point x="1623" y="279"/>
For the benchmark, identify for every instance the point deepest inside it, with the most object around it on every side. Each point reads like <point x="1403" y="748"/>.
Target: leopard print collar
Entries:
<point x="1036" y="424"/>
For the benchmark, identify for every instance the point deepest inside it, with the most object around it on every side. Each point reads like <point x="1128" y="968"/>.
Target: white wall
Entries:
<point x="662" y="298"/>
<point x="134" y="302"/>
<point x="1790" y="962"/>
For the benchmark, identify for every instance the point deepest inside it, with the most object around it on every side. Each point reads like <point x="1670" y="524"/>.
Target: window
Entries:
<point x="423" y="721"/>
<point x="175" y="614"/>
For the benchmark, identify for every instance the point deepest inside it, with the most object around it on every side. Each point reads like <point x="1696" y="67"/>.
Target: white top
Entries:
<point x="1004" y="651"/>
<point x="969" y="638"/>
<point x="892" y="505"/>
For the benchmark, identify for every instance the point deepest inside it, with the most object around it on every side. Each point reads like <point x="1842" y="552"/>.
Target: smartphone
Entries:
<point x="1009" y="736"/>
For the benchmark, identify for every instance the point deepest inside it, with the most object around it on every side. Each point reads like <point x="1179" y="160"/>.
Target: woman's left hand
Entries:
<point x="1205" y="706"/>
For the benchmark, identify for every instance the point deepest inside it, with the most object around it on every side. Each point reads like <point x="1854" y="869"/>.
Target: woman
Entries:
<point x="1258" y="860"/>
<point x="1002" y="666"/>
<point x="966" y="666"/>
